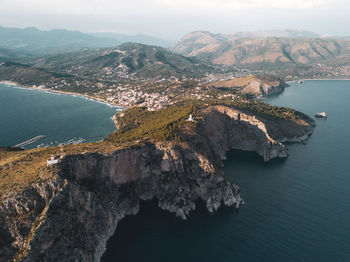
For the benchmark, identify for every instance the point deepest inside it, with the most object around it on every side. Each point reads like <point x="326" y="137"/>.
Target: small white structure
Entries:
<point x="190" y="118"/>
<point x="52" y="161"/>
<point x="321" y="114"/>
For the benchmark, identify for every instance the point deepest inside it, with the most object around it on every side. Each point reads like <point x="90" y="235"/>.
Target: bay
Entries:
<point x="27" y="113"/>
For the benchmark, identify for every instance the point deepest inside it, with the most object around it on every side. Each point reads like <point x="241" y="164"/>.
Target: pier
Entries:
<point x="30" y="141"/>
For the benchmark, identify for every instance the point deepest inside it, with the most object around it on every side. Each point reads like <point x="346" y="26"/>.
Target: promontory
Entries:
<point x="174" y="155"/>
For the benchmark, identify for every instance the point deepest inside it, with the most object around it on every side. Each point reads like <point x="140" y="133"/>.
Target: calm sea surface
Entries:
<point x="26" y="113"/>
<point x="296" y="210"/>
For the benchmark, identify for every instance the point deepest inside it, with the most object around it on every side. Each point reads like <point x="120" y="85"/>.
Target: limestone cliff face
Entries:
<point x="260" y="88"/>
<point x="257" y="86"/>
<point x="71" y="216"/>
<point x="94" y="191"/>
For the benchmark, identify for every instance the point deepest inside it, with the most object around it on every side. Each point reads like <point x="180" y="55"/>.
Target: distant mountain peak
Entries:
<point x="39" y="42"/>
<point x="271" y="49"/>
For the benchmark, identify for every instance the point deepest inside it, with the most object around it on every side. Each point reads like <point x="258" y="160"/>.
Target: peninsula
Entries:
<point x="174" y="155"/>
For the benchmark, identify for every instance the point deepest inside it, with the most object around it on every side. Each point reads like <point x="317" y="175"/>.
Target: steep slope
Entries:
<point x="69" y="211"/>
<point x="198" y="42"/>
<point x="11" y="55"/>
<point x="278" y="51"/>
<point x="25" y="74"/>
<point x="272" y="54"/>
<point x="253" y="85"/>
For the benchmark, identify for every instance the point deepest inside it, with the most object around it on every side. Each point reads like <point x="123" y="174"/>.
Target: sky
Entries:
<point x="171" y="19"/>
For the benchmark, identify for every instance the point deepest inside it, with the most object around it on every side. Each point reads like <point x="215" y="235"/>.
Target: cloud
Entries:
<point x="120" y="7"/>
<point x="230" y="5"/>
<point x="176" y="17"/>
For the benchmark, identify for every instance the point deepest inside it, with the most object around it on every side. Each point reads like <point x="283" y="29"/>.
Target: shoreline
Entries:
<point x="98" y="100"/>
<point x="319" y="79"/>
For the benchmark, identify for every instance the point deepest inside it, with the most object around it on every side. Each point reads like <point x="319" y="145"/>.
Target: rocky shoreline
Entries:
<point x="73" y="214"/>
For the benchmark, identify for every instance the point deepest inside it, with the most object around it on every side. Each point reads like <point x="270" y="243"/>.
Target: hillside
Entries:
<point x="38" y="42"/>
<point x="251" y="85"/>
<point x="11" y="55"/>
<point x="35" y="41"/>
<point x="127" y="75"/>
<point x="272" y="54"/>
<point x="129" y="60"/>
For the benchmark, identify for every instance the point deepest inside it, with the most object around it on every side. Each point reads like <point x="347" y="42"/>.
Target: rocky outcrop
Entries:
<point x="260" y="88"/>
<point x="94" y="191"/>
<point x="71" y="216"/>
<point x="257" y="86"/>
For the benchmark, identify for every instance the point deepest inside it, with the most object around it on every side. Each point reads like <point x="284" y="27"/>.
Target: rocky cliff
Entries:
<point x="71" y="215"/>
<point x="257" y="86"/>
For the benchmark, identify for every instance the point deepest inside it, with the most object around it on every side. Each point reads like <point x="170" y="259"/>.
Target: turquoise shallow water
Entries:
<point x="296" y="209"/>
<point x="26" y="113"/>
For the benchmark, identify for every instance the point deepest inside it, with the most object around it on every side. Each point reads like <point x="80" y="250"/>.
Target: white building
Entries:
<point x="52" y="161"/>
<point x="190" y="118"/>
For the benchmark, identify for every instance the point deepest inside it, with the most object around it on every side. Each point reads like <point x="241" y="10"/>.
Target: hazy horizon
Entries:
<point x="170" y="19"/>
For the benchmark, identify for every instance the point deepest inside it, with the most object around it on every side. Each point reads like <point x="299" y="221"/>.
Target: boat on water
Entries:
<point x="321" y="114"/>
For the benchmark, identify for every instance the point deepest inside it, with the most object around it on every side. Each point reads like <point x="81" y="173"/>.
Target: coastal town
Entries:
<point x="149" y="93"/>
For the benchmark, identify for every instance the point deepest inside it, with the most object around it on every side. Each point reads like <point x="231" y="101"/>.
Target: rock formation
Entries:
<point x="71" y="216"/>
<point x="257" y="86"/>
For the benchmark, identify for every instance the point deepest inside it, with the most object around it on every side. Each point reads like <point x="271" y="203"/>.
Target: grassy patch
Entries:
<point x="18" y="169"/>
<point x="138" y="123"/>
<point x="265" y="110"/>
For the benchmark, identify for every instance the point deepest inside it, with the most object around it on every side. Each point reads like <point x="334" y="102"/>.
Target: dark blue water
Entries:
<point x="296" y="210"/>
<point x="26" y="113"/>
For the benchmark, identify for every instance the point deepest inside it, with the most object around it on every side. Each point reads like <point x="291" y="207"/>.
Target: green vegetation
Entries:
<point x="138" y="123"/>
<point x="20" y="168"/>
<point x="163" y="125"/>
<point x="266" y="110"/>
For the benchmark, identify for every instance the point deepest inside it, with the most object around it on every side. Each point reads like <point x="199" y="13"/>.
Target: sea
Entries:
<point x="28" y="113"/>
<point x="297" y="209"/>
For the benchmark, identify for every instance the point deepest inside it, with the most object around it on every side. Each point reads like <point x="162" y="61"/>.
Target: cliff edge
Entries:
<point x="174" y="155"/>
<point x="257" y="86"/>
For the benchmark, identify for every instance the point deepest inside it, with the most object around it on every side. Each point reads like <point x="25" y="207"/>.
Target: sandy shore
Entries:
<point x="99" y="100"/>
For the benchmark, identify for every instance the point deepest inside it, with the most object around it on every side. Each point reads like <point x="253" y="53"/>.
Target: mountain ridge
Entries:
<point x="40" y="42"/>
<point x="127" y="59"/>
<point x="279" y="55"/>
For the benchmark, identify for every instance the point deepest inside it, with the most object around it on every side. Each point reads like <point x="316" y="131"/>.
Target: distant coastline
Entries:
<point x="95" y="99"/>
<point x="318" y="79"/>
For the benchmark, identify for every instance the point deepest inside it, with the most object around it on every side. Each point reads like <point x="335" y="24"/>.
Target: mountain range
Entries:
<point x="37" y="42"/>
<point x="280" y="52"/>
<point x="129" y="59"/>
<point x="126" y="62"/>
<point x="265" y="51"/>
